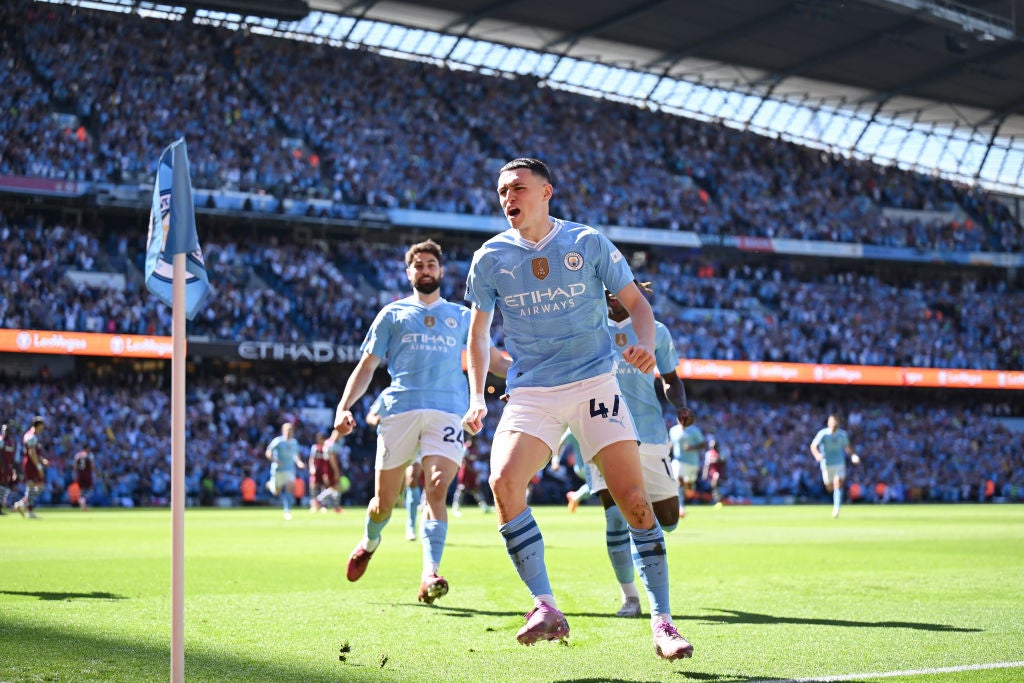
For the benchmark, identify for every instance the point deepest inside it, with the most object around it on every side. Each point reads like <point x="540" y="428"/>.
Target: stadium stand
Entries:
<point x="283" y="131"/>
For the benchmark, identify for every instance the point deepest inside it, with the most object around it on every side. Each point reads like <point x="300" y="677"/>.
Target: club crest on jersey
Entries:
<point x="541" y="268"/>
<point x="429" y="320"/>
<point x="452" y="323"/>
<point x="620" y="339"/>
<point x="573" y="260"/>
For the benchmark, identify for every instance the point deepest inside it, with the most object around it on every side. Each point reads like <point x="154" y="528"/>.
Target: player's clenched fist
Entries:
<point x="473" y="421"/>
<point x="640" y="358"/>
<point x="344" y="422"/>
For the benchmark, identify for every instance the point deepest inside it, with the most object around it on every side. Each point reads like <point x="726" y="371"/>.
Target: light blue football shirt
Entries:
<point x="422" y="346"/>
<point x="284" y="451"/>
<point x="537" y="287"/>
<point x="686" y="443"/>
<point x="832" y="446"/>
<point x="638" y="387"/>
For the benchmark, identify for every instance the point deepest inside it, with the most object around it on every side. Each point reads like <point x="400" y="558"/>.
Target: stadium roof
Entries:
<point x="963" y="53"/>
<point x="932" y="85"/>
<point x="936" y="64"/>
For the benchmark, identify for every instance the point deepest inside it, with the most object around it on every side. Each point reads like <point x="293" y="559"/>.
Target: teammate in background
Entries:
<point x="412" y="488"/>
<point x="85" y="476"/>
<point x="421" y="337"/>
<point x="569" y="451"/>
<point x="548" y="276"/>
<point x="283" y="453"/>
<point x="687" y="445"/>
<point x="32" y="465"/>
<point x="320" y="472"/>
<point x="8" y="469"/>
<point x="829" y="448"/>
<point x="714" y="470"/>
<point x="655" y="453"/>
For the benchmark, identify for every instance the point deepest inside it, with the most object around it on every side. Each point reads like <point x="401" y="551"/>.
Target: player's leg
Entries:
<point x="439" y="471"/>
<point x="619" y="463"/>
<point x="523" y="442"/>
<point x="397" y="441"/>
<point x="677" y="473"/>
<point x="616" y="536"/>
<point x="286" y="488"/>
<point x="837" y="494"/>
<point x="413" y="494"/>
<point x="661" y="483"/>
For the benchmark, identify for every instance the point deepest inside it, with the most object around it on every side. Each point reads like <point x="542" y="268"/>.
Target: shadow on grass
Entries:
<point x="729" y="616"/>
<point x="40" y="653"/>
<point x="52" y="595"/>
<point x="725" y="617"/>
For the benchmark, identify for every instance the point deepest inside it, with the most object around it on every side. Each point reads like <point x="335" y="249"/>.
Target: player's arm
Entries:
<point x="499" y="363"/>
<point x="299" y="462"/>
<point x="478" y="355"/>
<point x="270" y="449"/>
<point x="815" y="451"/>
<point x="640" y="355"/>
<point x="356" y="386"/>
<point x="675" y="392"/>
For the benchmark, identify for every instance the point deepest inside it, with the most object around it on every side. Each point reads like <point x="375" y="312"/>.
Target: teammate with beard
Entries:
<point x="421" y="338"/>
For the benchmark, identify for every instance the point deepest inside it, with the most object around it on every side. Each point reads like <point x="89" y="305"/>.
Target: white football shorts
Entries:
<point x="656" y="462"/>
<point x="685" y="471"/>
<point x="592" y="408"/>
<point x="830" y="472"/>
<point x="402" y="437"/>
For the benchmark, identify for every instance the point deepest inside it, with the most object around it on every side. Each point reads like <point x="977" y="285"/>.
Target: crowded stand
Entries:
<point x="299" y="120"/>
<point x="912" y="450"/>
<point x="267" y="291"/>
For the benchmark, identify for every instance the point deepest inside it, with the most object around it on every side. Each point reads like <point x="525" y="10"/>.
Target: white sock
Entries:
<point x="546" y="598"/>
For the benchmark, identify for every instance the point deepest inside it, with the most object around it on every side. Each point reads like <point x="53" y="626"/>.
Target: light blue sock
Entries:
<point x="434" y="533"/>
<point x="286" y="501"/>
<point x="373" y="528"/>
<point x="652" y="565"/>
<point x="837" y="497"/>
<point x="616" y="536"/>
<point x="525" y="547"/>
<point x="412" y="503"/>
<point x="682" y="497"/>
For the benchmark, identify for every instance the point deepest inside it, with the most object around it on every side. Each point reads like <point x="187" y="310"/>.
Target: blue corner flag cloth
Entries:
<point x="172" y="230"/>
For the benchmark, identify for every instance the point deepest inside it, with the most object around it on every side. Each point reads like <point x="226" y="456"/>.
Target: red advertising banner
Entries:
<point x="866" y="375"/>
<point x="85" y="344"/>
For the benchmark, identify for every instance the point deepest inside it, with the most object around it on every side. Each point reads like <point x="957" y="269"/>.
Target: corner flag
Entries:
<point x="172" y="230"/>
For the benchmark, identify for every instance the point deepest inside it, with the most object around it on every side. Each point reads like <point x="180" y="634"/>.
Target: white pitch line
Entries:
<point x="893" y="674"/>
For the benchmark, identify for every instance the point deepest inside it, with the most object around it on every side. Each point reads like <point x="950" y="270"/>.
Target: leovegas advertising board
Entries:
<point x="867" y="375"/>
<point x="86" y="344"/>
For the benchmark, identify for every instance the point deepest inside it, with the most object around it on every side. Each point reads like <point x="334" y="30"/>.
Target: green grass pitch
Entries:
<point x="764" y="593"/>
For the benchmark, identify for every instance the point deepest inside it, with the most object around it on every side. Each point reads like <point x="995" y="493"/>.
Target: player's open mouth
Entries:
<point x="512" y="213"/>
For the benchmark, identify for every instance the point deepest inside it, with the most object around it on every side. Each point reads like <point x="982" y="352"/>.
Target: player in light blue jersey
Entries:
<point x="421" y="338"/>
<point x="641" y="397"/>
<point x="688" y="443"/>
<point x="829" y="448"/>
<point x="283" y="454"/>
<point x="548" y="276"/>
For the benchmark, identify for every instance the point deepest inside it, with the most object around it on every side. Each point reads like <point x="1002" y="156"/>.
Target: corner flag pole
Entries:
<point x="178" y="473"/>
<point x="176" y="274"/>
